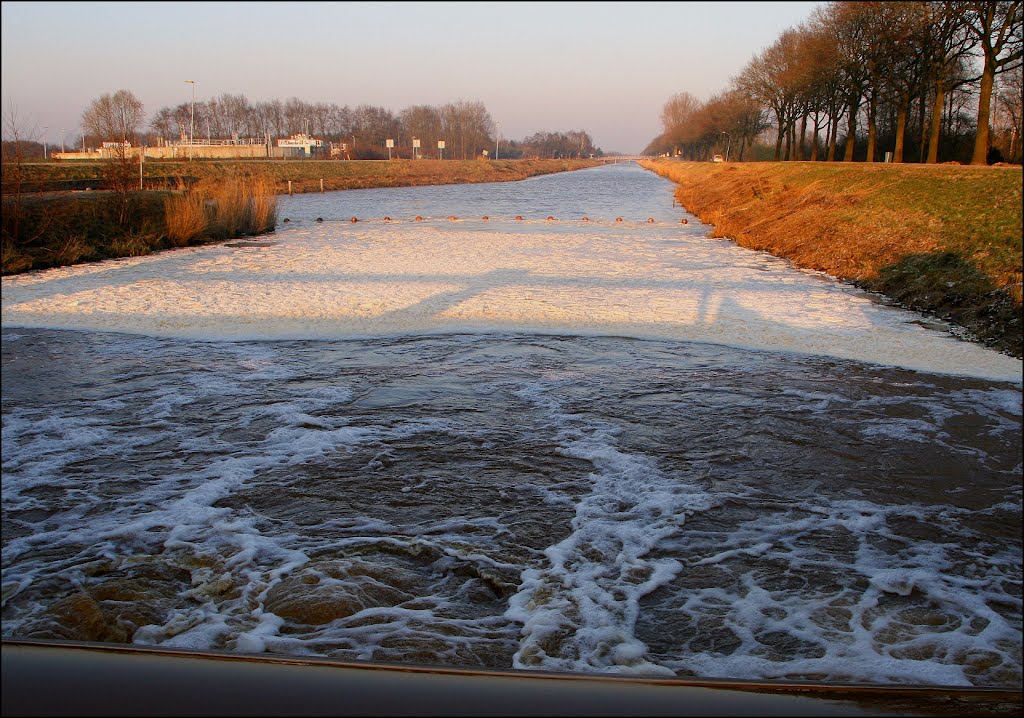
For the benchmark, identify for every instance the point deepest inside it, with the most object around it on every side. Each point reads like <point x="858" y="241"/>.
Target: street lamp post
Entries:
<point x="62" y="140"/>
<point x="44" y="141"/>
<point x="192" y="119"/>
<point x="728" y="146"/>
<point x="497" y="138"/>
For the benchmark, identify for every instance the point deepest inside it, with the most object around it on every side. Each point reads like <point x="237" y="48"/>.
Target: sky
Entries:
<point x="604" y="67"/>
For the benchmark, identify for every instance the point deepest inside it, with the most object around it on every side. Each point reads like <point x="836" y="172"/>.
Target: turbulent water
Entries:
<point x="494" y="494"/>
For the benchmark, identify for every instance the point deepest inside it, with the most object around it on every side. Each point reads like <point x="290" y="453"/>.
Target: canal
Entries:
<point x="591" y="439"/>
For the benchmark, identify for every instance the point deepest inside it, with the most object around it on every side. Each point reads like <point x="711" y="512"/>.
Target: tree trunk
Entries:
<point x="851" y="132"/>
<point x="833" y="129"/>
<point x="778" y="140"/>
<point x="922" y="126"/>
<point x="980" y="156"/>
<point x="901" y="125"/>
<point x="872" y="127"/>
<point x="814" y="146"/>
<point x="803" y="138"/>
<point x="936" y="130"/>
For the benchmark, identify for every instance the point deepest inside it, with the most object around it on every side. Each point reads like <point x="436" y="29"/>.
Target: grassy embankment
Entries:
<point x="305" y="175"/>
<point x="225" y="200"/>
<point x="941" y="239"/>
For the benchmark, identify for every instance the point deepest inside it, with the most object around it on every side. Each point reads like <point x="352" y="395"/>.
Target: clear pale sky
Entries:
<point x="604" y="67"/>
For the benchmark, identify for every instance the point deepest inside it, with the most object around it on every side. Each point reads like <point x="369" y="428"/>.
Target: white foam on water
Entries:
<point x="338" y="280"/>
<point x="578" y="611"/>
<point x="171" y="513"/>
<point x="810" y="585"/>
<point x="896" y="608"/>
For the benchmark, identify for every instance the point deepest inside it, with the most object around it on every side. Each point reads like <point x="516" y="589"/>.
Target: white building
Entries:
<point x="307" y="143"/>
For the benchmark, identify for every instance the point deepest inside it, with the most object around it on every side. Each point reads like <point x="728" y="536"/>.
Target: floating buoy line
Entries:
<point x="453" y="218"/>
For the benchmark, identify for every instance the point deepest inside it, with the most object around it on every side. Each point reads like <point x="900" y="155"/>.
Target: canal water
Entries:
<point x="558" y="444"/>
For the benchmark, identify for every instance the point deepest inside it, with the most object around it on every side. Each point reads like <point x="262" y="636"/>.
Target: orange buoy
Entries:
<point x="486" y="217"/>
<point x="387" y="219"/>
<point x="684" y="221"/>
<point x="618" y="219"/>
<point x="550" y="217"/>
<point x="353" y="220"/>
<point x="518" y="217"/>
<point x="418" y="218"/>
<point x="586" y="219"/>
<point x="453" y="217"/>
<point x="650" y="219"/>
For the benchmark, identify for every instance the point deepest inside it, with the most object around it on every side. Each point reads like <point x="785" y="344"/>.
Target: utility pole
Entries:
<point x="192" y="121"/>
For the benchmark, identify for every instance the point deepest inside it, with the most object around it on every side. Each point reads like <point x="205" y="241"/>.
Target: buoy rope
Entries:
<point x="453" y="218"/>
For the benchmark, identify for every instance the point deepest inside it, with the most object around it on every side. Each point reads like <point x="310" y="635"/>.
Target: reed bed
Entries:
<point x="53" y="231"/>
<point x="185" y="217"/>
<point x="235" y="207"/>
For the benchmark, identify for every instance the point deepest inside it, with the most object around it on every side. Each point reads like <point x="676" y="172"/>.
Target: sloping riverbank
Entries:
<point x="304" y="175"/>
<point x="944" y="240"/>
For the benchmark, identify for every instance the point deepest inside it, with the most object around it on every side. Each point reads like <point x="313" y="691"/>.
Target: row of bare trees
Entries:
<point x="564" y="145"/>
<point x="923" y="80"/>
<point x="466" y="127"/>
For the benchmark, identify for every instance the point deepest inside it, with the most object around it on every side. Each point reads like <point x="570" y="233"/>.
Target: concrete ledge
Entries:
<point x="65" y="678"/>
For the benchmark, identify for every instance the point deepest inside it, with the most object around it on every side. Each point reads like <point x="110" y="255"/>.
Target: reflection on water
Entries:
<point x="563" y="503"/>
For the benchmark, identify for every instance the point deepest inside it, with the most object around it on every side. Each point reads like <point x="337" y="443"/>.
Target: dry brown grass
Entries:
<point x="234" y="207"/>
<point x="810" y="223"/>
<point x="230" y="209"/>
<point x="264" y="205"/>
<point x="241" y="206"/>
<point x="944" y="240"/>
<point x="304" y="174"/>
<point x="185" y="217"/>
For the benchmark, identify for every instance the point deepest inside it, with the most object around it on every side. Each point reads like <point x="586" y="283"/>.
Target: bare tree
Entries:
<point x="676" y="116"/>
<point x="905" y="27"/>
<point x="114" y="118"/>
<point x="773" y="79"/>
<point x="998" y="29"/>
<point x="947" y="44"/>
<point x="849" y="24"/>
<point x="1009" y="111"/>
<point x="163" y="123"/>
<point x="423" y="122"/>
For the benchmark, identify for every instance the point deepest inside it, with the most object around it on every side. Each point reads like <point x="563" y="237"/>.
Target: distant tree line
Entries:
<point x="466" y="127"/>
<point x="926" y="81"/>
<point x="577" y="144"/>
